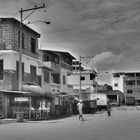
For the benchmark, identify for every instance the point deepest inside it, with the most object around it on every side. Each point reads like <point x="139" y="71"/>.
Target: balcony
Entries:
<point x="66" y="66"/>
<point x="51" y="65"/>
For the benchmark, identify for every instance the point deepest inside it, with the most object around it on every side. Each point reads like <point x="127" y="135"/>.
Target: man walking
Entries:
<point x="108" y="108"/>
<point x="80" y="110"/>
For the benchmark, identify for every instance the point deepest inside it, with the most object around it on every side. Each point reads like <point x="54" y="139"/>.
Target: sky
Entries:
<point x="106" y="30"/>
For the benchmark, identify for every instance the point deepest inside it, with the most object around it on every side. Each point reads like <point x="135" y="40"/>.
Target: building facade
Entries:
<point x="44" y="74"/>
<point x="87" y="81"/>
<point x="11" y="37"/>
<point x="56" y="67"/>
<point x="129" y="84"/>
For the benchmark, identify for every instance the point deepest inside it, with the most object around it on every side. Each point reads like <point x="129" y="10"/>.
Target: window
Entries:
<point x="46" y="57"/>
<point x="129" y="91"/>
<point x="64" y="80"/>
<point x="46" y="76"/>
<point x="33" y="73"/>
<point x="17" y="69"/>
<point x="77" y="68"/>
<point x="116" y="85"/>
<point x="138" y="74"/>
<point x="33" y="45"/>
<point x="130" y="82"/>
<point x="39" y="80"/>
<point x="116" y="75"/>
<point x="55" y="78"/>
<point x="19" y="39"/>
<point x="92" y="76"/>
<point x="130" y="74"/>
<point x="22" y="40"/>
<point x="82" y="77"/>
<point x="1" y="69"/>
<point x="73" y="68"/>
<point x="138" y="82"/>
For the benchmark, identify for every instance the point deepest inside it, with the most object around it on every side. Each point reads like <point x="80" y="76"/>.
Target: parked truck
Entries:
<point x="94" y="101"/>
<point x="89" y="105"/>
<point x="101" y="100"/>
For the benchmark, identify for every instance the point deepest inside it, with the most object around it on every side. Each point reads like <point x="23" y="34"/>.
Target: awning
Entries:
<point x="50" y="95"/>
<point x="16" y="91"/>
<point x="33" y="88"/>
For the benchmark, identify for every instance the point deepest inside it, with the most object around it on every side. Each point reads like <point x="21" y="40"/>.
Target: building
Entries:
<point x="129" y="84"/>
<point x="86" y="83"/>
<point x="56" y="67"/>
<point x="44" y="73"/>
<point x="11" y="36"/>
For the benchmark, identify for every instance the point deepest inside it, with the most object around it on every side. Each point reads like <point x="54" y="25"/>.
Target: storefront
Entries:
<point x="32" y="105"/>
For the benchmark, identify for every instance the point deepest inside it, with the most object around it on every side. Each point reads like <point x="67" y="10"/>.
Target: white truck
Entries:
<point x="101" y="100"/>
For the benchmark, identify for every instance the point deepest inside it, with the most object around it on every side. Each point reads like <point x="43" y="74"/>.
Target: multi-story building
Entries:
<point x="9" y="47"/>
<point x="129" y="84"/>
<point x="56" y="67"/>
<point x="87" y="82"/>
<point x="11" y="37"/>
<point x="44" y="73"/>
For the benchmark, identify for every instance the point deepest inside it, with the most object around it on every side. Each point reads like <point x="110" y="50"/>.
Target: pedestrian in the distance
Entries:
<point x="108" y="108"/>
<point x="80" y="110"/>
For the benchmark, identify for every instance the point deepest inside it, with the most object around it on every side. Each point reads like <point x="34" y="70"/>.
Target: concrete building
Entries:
<point x="87" y="80"/>
<point x="44" y="73"/>
<point x="11" y="36"/>
<point x="56" y="67"/>
<point x="129" y="84"/>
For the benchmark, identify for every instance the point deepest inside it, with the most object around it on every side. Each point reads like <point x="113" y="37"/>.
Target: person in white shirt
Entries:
<point x="80" y="110"/>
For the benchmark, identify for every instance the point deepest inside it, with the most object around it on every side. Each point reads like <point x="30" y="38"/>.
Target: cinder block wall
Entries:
<point x="9" y="37"/>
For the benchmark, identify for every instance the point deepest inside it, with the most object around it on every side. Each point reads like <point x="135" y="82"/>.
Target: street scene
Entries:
<point x="69" y="70"/>
<point x="123" y="124"/>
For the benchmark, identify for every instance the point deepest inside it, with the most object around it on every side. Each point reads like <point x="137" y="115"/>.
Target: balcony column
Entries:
<point x="42" y="78"/>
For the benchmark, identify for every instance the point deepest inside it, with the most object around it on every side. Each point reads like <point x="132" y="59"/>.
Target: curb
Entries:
<point x="5" y="121"/>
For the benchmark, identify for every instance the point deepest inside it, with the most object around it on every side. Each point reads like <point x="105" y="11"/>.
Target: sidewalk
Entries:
<point x="7" y="120"/>
<point x="10" y="120"/>
<point x="127" y="108"/>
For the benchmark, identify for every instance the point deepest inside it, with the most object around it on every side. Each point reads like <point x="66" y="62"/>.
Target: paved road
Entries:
<point x="122" y="125"/>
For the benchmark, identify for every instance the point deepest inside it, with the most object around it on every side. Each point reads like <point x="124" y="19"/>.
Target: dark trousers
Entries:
<point x="81" y="117"/>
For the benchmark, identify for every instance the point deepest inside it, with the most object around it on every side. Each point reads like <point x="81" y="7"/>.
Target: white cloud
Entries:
<point x="107" y="58"/>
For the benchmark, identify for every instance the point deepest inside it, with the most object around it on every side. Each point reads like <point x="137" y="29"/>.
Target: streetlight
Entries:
<point x="20" y="47"/>
<point x="46" y="22"/>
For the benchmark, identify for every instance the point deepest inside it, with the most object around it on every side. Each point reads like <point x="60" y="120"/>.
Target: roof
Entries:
<point x="18" y="22"/>
<point x="50" y="52"/>
<point x="111" y="92"/>
<point x="67" y="54"/>
<point x="50" y="95"/>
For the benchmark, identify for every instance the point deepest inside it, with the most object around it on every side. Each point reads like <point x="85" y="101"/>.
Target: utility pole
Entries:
<point x="20" y="47"/>
<point x="80" y="76"/>
<point x="97" y="82"/>
<point x="90" y="57"/>
<point x="98" y="78"/>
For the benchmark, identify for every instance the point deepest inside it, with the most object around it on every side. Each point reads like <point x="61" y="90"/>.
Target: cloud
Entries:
<point x="107" y="58"/>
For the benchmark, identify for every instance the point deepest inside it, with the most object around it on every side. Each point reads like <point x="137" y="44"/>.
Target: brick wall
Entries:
<point x="9" y="32"/>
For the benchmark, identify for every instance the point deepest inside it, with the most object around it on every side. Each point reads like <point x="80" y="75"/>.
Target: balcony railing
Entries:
<point x="66" y="66"/>
<point x="51" y="65"/>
